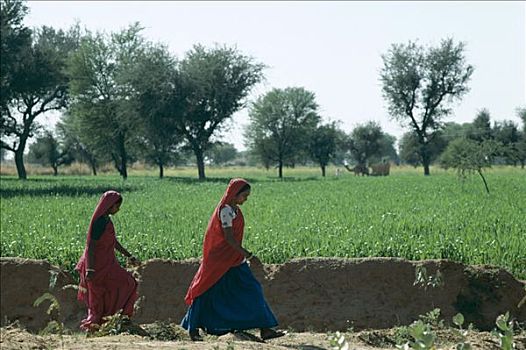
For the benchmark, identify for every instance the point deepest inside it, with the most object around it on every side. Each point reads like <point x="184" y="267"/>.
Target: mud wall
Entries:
<point x="316" y="294"/>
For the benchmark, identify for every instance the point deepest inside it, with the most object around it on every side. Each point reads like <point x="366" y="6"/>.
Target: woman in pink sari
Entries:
<point x="105" y="286"/>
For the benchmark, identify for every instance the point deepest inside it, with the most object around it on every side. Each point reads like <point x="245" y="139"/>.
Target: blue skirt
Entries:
<point x="235" y="302"/>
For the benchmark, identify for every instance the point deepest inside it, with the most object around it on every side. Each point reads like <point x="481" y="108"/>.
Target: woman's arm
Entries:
<point x="133" y="260"/>
<point x="122" y="250"/>
<point x="229" y="237"/>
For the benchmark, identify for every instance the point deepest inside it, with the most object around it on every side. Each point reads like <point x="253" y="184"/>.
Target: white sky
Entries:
<point x="331" y="48"/>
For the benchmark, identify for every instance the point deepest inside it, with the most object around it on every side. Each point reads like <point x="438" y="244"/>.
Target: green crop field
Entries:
<point x="401" y="215"/>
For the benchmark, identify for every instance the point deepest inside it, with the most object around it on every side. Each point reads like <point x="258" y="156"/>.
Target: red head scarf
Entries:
<point x="218" y="255"/>
<point x="106" y="201"/>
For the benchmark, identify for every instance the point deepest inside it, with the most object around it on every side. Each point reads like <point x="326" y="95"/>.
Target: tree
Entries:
<point x="323" y="144"/>
<point x="410" y="146"/>
<point x="467" y="156"/>
<point x="68" y="130"/>
<point x="387" y="149"/>
<point x="281" y="122"/>
<point x="419" y="83"/>
<point x="48" y="152"/>
<point x="15" y="41"/>
<point x="42" y="86"/>
<point x="365" y="142"/>
<point x="221" y="153"/>
<point x="103" y="98"/>
<point x="507" y="134"/>
<point x="216" y="82"/>
<point x="159" y="101"/>
<point x="480" y="129"/>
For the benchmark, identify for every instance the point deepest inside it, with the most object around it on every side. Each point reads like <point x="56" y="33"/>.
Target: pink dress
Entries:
<point x="112" y="288"/>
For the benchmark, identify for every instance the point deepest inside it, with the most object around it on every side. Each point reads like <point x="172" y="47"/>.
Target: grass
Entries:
<point x="402" y="215"/>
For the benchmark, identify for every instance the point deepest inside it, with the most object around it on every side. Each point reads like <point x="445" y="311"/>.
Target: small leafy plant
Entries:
<point x="458" y="320"/>
<point x="338" y="342"/>
<point x="504" y="331"/>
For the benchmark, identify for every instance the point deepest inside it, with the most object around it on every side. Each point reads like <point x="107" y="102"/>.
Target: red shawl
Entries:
<point x="218" y="255"/>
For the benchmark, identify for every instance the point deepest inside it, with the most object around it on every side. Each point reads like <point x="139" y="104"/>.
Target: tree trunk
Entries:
<point x="323" y="170"/>
<point x="424" y="153"/>
<point x="93" y="169"/>
<point x="123" y="157"/>
<point x="280" y="169"/>
<point x="483" y="179"/>
<point x="55" y="170"/>
<point x="19" y="161"/>
<point x="161" y="170"/>
<point x="426" y="168"/>
<point x="200" y="163"/>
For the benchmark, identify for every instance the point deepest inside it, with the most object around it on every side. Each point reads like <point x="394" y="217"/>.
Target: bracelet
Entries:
<point x="250" y="256"/>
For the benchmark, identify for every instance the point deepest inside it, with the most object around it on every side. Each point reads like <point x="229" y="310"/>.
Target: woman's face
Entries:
<point x="242" y="197"/>
<point x="114" y="208"/>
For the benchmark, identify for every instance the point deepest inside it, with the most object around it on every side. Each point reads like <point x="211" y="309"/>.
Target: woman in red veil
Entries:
<point x="105" y="286"/>
<point x="224" y="295"/>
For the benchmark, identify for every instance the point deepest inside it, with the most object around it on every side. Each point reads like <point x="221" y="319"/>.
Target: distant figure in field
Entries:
<point x="338" y="172"/>
<point x="381" y="169"/>
<point x="224" y="295"/>
<point x="358" y="169"/>
<point x="105" y="286"/>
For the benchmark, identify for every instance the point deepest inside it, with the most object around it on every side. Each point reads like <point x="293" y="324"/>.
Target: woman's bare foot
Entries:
<point x="269" y="333"/>
<point x="194" y="335"/>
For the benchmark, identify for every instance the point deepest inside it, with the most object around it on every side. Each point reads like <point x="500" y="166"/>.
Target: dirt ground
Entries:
<point x="16" y="338"/>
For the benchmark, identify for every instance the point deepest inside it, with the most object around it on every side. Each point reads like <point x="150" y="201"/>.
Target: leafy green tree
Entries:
<point x="323" y="144"/>
<point x="468" y="156"/>
<point x="221" y="153"/>
<point x="15" y="41"/>
<point x="387" y="149"/>
<point x="68" y="130"/>
<point x="215" y="82"/>
<point x="281" y="123"/>
<point x="103" y="98"/>
<point x="480" y="129"/>
<point x="507" y="134"/>
<point x="159" y="101"/>
<point x="451" y="131"/>
<point x="419" y="83"/>
<point x="49" y="152"/>
<point x="410" y="146"/>
<point x="41" y="86"/>
<point x="366" y="142"/>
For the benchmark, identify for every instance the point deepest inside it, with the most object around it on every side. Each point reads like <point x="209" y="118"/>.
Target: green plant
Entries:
<point x="423" y="337"/>
<point x="338" y="341"/>
<point x="433" y="319"/>
<point x="55" y="326"/>
<point x="117" y="324"/>
<point x="504" y="331"/>
<point x="426" y="218"/>
<point x="458" y="320"/>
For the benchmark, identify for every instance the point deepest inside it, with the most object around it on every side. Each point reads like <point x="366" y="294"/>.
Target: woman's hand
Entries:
<point x="133" y="261"/>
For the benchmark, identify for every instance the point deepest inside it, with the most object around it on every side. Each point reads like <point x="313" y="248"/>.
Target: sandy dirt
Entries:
<point x="19" y="339"/>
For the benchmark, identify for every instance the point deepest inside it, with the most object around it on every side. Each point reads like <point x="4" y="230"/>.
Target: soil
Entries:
<point x="310" y="297"/>
<point x="16" y="338"/>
